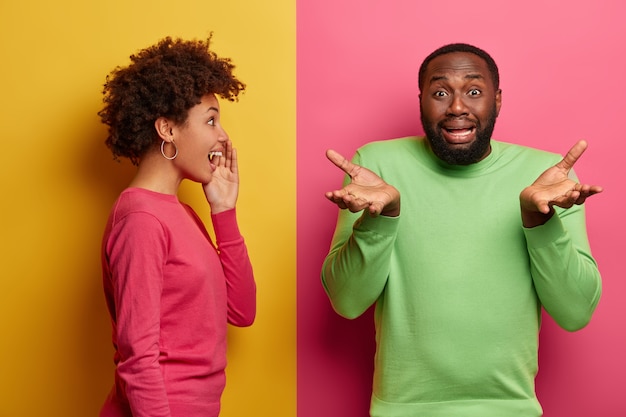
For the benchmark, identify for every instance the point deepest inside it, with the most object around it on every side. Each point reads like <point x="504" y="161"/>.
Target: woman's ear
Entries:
<point x="164" y="128"/>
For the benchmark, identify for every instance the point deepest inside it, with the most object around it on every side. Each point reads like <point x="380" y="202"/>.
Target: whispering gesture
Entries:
<point x="366" y="190"/>
<point x="223" y="189"/>
<point x="555" y="188"/>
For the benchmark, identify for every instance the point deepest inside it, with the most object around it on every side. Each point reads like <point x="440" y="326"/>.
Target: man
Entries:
<point x="461" y="241"/>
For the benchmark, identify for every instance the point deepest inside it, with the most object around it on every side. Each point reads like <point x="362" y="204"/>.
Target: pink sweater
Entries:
<point x="170" y="293"/>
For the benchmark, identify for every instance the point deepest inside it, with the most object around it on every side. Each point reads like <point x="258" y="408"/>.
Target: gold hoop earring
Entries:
<point x="169" y="158"/>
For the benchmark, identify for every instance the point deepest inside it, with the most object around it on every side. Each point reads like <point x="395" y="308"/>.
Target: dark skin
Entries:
<point x="366" y="190"/>
<point x="458" y="98"/>
<point x="555" y="188"/>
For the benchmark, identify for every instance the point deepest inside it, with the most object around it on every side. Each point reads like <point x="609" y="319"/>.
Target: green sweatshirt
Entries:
<point x="458" y="282"/>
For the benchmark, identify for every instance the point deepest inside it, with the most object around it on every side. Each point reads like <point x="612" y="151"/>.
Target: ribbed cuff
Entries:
<point x="225" y="226"/>
<point x="546" y="234"/>
<point x="383" y="225"/>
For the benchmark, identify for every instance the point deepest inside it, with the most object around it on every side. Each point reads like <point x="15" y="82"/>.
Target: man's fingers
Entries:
<point x="341" y="162"/>
<point x="572" y="155"/>
<point x="543" y="207"/>
<point x="344" y="199"/>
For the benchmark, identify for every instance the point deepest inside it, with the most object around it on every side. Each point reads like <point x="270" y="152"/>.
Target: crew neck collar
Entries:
<point x="472" y="169"/>
<point x="162" y="196"/>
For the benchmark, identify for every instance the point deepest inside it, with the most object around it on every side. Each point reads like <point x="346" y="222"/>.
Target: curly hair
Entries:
<point x="163" y="80"/>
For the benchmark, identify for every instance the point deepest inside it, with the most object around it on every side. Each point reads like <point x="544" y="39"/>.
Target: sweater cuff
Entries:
<point x="383" y="225"/>
<point x="546" y="234"/>
<point x="225" y="226"/>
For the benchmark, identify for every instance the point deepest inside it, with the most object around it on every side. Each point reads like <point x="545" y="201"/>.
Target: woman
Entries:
<point x="169" y="290"/>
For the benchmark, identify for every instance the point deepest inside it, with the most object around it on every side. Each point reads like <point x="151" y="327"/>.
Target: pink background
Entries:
<point x="562" y="66"/>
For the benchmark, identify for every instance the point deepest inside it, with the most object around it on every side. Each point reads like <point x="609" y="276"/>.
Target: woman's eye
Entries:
<point x="211" y="122"/>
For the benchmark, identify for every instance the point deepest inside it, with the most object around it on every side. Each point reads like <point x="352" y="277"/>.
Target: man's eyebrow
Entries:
<point x="435" y="78"/>
<point x="476" y="76"/>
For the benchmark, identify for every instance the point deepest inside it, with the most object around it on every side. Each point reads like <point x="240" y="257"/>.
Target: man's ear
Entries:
<point x="498" y="101"/>
<point x="164" y="128"/>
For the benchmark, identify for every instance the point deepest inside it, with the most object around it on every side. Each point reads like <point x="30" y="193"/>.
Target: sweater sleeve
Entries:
<point x="356" y="268"/>
<point x="136" y="250"/>
<point x="233" y="253"/>
<point x="565" y="274"/>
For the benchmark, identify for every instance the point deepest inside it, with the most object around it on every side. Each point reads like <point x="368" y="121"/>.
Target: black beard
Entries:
<point x="467" y="156"/>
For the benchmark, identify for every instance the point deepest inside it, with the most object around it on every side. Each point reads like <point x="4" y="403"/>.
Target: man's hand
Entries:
<point x="366" y="190"/>
<point x="555" y="188"/>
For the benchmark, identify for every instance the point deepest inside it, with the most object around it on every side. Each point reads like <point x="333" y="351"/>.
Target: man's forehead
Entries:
<point x="458" y="62"/>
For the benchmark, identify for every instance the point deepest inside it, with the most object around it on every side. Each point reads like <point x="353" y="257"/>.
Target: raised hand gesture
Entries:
<point x="223" y="189"/>
<point x="555" y="188"/>
<point x="365" y="191"/>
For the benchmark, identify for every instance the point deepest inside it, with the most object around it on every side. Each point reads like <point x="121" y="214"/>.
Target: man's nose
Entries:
<point x="457" y="106"/>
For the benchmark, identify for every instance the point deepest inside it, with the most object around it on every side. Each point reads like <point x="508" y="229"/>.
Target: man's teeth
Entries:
<point x="214" y="154"/>
<point x="460" y="132"/>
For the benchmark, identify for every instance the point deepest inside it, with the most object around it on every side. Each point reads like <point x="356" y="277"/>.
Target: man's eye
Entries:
<point x="440" y="94"/>
<point x="474" y="92"/>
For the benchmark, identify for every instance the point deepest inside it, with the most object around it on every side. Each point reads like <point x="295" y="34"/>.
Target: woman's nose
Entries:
<point x="223" y="137"/>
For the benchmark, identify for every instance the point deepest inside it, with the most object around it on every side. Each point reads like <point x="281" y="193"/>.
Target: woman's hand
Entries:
<point x="223" y="189"/>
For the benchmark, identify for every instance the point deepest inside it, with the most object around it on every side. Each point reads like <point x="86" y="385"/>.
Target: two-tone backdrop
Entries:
<point x="320" y="74"/>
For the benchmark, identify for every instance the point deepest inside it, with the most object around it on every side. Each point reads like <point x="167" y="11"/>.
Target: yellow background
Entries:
<point x="58" y="182"/>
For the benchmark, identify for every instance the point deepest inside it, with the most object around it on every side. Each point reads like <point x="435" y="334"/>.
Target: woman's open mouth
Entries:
<point x="214" y="154"/>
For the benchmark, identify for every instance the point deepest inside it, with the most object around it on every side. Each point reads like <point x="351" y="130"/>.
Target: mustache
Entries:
<point x="452" y="119"/>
